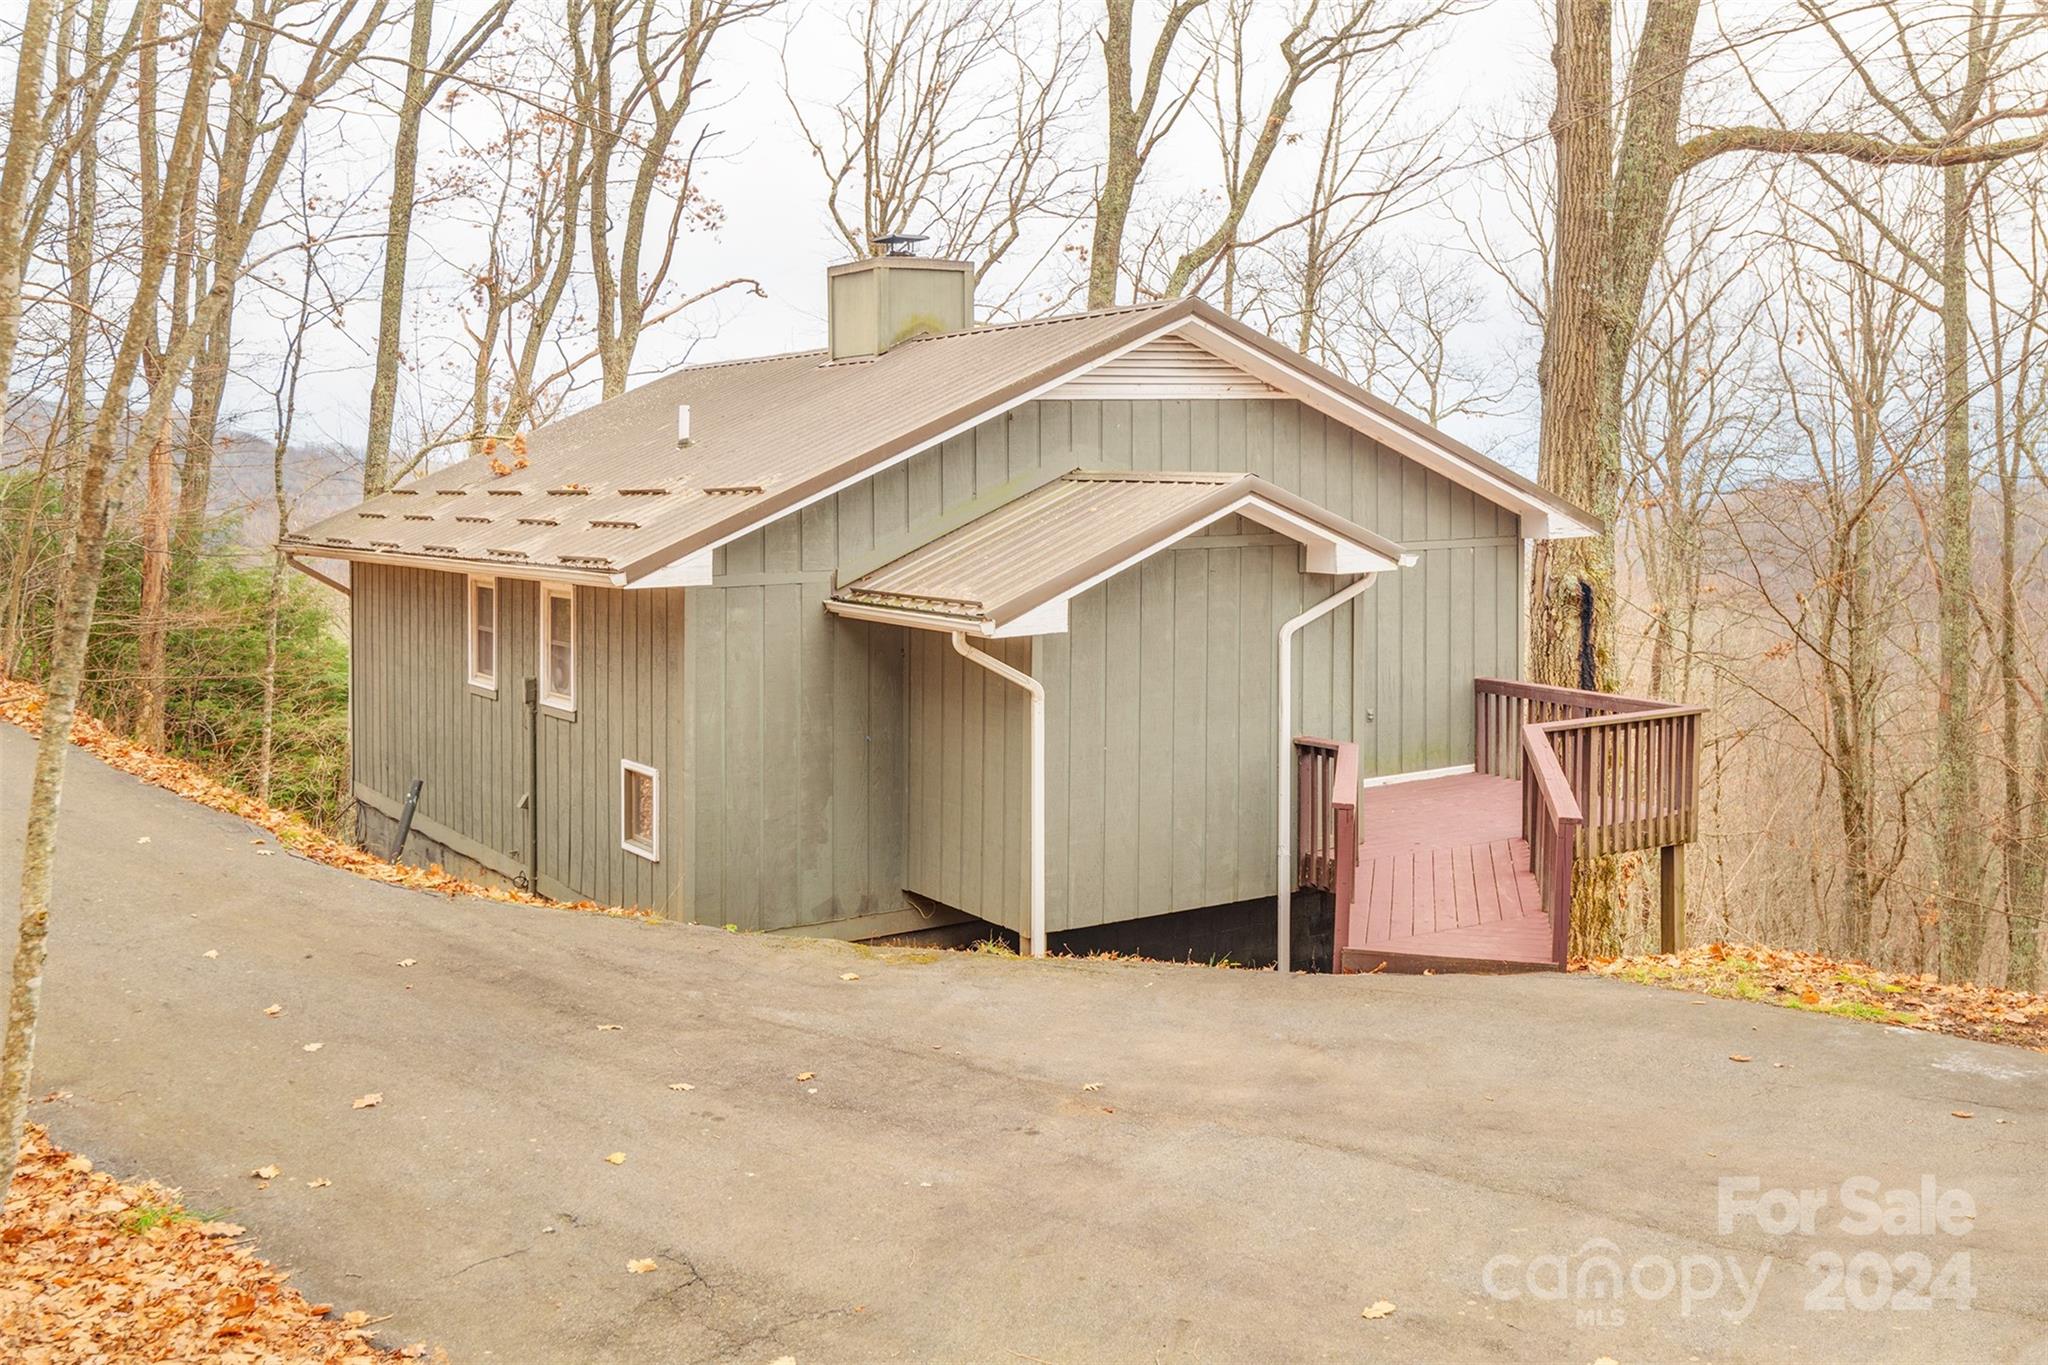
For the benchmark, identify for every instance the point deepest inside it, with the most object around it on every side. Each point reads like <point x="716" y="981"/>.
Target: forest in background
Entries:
<point x="1766" y="286"/>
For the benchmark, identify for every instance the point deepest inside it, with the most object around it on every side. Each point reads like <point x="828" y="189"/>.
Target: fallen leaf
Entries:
<point x="1961" y="1114"/>
<point x="681" y="1085"/>
<point x="319" y="1183"/>
<point x="263" y="852"/>
<point x="610" y="1028"/>
<point x="1737" y="1057"/>
<point x="312" y="1047"/>
<point x="219" y="1229"/>
<point x="211" y="952"/>
<point x="369" y="1101"/>
<point x="274" y="1011"/>
<point x="1382" y="1309"/>
<point x="849" y="976"/>
<point x="807" y="1075"/>
<point x="1092" y="1085"/>
<point x="1809" y="997"/>
<point x="617" y="1158"/>
<point x="143" y="840"/>
<point x="266" y="1173"/>
<point x="408" y="961"/>
<point x="642" y="1266"/>
<point x="79" y="1165"/>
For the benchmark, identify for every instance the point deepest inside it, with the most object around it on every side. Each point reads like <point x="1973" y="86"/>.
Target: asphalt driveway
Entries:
<point x="1263" y="1159"/>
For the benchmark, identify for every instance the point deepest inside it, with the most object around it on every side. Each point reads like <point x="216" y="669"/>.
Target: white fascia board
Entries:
<point x="523" y="570"/>
<point x="1540" y="521"/>
<point x="917" y="620"/>
<point x="1326" y="554"/>
<point x="691" y="571"/>
<point x="1047" y="619"/>
<point x="967" y="424"/>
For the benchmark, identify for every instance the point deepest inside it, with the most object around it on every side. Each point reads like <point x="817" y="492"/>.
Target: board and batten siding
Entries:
<point x="818" y="746"/>
<point x="970" y="757"/>
<point x="794" y="758"/>
<point x="415" y="715"/>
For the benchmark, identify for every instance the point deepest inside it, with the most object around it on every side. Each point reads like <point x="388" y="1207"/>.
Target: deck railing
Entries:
<point x="1601" y="773"/>
<point x="1326" y="823"/>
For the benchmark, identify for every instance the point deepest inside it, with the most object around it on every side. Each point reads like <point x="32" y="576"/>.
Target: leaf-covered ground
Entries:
<point x="97" y="1269"/>
<point x="1839" y="986"/>
<point x="22" y="704"/>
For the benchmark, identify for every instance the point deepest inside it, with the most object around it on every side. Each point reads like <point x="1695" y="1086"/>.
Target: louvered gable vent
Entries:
<point x="1168" y="367"/>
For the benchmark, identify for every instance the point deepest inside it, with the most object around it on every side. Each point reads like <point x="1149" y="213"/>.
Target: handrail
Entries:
<point x="1628" y="765"/>
<point x="1551" y="820"/>
<point x="1326" y="826"/>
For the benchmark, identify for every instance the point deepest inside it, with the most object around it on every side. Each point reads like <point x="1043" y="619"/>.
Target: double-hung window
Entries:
<point x="483" y="632"/>
<point x="558" y="646"/>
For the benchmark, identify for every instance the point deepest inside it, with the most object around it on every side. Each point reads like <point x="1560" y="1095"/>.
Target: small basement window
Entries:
<point x="558" y="646"/>
<point x="639" y="809"/>
<point x="483" y="632"/>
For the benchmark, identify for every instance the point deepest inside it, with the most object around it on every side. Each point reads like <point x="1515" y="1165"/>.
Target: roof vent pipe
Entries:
<point x="682" y="424"/>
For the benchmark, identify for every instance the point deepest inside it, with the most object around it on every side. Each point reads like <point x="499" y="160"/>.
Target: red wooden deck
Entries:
<point x="1444" y="882"/>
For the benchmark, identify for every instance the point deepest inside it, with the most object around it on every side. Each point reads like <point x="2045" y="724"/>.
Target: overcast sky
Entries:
<point x="1486" y="65"/>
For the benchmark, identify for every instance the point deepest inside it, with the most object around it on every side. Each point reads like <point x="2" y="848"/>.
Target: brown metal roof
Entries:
<point x="766" y="434"/>
<point x="606" y="494"/>
<point x="1051" y="542"/>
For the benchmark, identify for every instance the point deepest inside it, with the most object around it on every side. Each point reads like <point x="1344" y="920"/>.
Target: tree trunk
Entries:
<point x="405" y="159"/>
<point x="24" y="147"/>
<point x="153" y="623"/>
<point x="1578" y="437"/>
<point x="1958" y="828"/>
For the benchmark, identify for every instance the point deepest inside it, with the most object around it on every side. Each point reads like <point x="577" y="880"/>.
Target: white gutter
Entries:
<point x="1284" y="793"/>
<point x="1036" y="855"/>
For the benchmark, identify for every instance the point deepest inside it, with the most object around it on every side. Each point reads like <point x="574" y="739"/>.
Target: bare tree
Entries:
<point x="2014" y="357"/>
<point x="26" y="122"/>
<point x="636" y="78"/>
<point x="425" y="76"/>
<point x="336" y="45"/>
<point x="1138" y="121"/>
<point x="958" y="127"/>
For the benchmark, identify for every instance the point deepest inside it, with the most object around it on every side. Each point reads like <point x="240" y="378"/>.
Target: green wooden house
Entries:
<point x="944" y="624"/>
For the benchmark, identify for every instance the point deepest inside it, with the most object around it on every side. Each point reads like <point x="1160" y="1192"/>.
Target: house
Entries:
<point x="944" y="624"/>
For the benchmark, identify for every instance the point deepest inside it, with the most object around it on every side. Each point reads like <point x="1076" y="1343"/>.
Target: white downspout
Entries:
<point x="1284" y="793"/>
<point x="1037" y="853"/>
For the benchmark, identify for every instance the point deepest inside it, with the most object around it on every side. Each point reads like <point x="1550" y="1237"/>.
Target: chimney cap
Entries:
<point x="898" y="243"/>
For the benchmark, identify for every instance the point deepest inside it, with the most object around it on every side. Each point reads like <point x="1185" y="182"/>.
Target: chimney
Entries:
<point x="873" y="304"/>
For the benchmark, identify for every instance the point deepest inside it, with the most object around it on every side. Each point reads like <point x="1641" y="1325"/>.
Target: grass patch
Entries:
<point x="143" y="1217"/>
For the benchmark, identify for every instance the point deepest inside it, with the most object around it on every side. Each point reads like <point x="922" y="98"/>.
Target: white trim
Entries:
<point x="514" y="569"/>
<point x="1284" y="790"/>
<point x="1540" y="521"/>
<point x="652" y="852"/>
<point x="1327" y="553"/>
<point x="1048" y="618"/>
<point x="470" y="583"/>
<point x="867" y="472"/>
<point x="561" y="703"/>
<point x="893" y="616"/>
<point x="1419" y="775"/>
<point x="691" y="571"/>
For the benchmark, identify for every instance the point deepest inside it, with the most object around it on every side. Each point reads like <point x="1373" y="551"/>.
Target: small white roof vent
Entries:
<point x="682" y="424"/>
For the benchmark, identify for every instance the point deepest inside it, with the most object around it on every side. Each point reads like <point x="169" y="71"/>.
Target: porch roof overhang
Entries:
<point x="1013" y="571"/>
